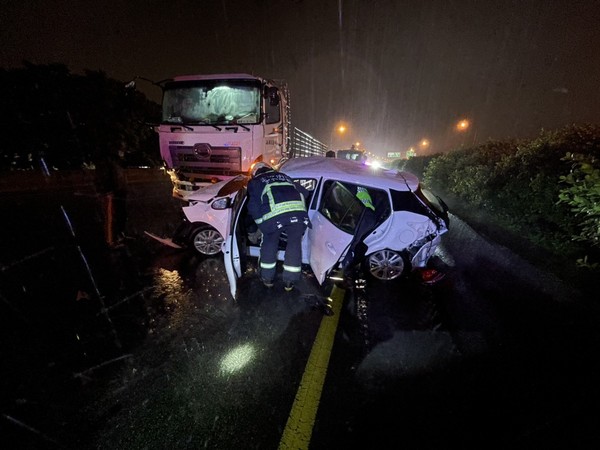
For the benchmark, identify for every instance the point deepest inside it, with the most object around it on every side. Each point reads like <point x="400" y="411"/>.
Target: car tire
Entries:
<point x="206" y="240"/>
<point x="386" y="265"/>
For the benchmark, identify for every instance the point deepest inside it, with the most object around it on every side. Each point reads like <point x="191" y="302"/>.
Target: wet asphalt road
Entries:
<point x="155" y="354"/>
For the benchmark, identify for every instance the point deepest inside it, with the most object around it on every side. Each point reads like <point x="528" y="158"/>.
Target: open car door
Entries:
<point x="333" y="226"/>
<point x="232" y="251"/>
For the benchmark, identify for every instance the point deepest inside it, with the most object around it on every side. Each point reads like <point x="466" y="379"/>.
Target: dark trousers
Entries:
<point x="292" y="264"/>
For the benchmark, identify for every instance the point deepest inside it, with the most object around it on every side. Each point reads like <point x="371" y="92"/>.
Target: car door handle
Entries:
<point x="330" y="247"/>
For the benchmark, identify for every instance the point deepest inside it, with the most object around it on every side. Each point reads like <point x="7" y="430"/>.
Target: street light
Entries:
<point x="340" y="129"/>
<point x="424" y="143"/>
<point x="463" y="125"/>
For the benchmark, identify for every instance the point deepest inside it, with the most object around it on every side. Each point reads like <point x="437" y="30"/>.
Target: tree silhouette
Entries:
<point x="68" y="120"/>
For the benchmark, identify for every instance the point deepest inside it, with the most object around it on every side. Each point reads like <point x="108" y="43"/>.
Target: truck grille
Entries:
<point x="206" y="159"/>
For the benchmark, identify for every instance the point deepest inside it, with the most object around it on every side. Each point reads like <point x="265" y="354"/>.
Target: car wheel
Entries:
<point x="207" y="241"/>
<point x="386" y="265"/>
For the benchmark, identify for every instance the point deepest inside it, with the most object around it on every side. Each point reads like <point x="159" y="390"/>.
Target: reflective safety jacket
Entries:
<point x="363" y="195"/>
<point x="275" y="200"/>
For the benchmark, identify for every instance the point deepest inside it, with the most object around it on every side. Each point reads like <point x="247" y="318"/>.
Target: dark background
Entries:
<point x="393" y="71"/>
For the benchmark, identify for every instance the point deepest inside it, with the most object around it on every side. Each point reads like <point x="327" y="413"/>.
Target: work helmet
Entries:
<point x="258" y="166"/>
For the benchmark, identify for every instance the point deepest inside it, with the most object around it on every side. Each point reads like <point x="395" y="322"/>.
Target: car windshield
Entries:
<point x="211" y="102"/>
<point x="434" y="202"/>
<point x="419" y="203"/>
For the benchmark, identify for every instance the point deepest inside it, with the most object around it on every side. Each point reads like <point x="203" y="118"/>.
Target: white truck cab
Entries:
<point x="214" y="127"/>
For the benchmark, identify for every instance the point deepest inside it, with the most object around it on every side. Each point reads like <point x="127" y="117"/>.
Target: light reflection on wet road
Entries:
<point x="486" y="357"/>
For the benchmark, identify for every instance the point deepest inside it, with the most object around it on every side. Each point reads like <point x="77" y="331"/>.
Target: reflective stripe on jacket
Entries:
<point x="275" y="198"/>
<point x="286" y="206"/>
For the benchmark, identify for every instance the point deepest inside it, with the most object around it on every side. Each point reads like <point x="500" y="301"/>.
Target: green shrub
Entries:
<point x="415" y="165"/>
<point x="526" y="188"/>
<point x="582" y="194"/>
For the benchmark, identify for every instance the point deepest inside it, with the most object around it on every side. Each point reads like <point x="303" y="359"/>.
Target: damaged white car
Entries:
<point x="410" y="219"/>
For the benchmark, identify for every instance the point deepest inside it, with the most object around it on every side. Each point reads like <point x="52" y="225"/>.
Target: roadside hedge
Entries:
<point x="545" y="190"/>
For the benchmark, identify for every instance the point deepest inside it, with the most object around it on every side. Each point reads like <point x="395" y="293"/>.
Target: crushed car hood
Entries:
<point x="220" y="189"/>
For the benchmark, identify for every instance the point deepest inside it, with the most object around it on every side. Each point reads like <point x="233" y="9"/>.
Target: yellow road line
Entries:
<point x="299" y="426"/>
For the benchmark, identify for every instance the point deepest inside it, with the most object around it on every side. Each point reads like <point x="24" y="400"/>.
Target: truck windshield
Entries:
<point x="212" y="102"/>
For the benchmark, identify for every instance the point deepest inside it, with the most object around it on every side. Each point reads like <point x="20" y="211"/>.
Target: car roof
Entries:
<point x="351" y="171"/>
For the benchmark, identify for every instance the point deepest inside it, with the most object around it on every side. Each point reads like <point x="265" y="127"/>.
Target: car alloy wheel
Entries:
<point x="386" y="264"/>
<point x="207" y="241"/>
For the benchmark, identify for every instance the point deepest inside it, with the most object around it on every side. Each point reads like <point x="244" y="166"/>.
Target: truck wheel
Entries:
<point x="206" y="240"/>
<point x="386" y="265"/>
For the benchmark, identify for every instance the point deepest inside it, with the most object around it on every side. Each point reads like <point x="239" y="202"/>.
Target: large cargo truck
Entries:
<point x="215" y="127"/>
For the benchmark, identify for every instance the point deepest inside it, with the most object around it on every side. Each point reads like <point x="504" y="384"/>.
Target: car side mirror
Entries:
<point x="221" y="203"/>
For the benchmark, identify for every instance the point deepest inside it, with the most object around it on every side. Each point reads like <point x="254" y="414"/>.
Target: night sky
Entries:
<point x="394" y="71"/>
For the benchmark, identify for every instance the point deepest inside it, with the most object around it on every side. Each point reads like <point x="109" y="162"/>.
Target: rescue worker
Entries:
<point x="357" y="248"/>
<point x="277" y="205"/>
<point x="111" y="184"/>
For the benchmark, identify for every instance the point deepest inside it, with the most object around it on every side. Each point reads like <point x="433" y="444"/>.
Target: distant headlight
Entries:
<point x="221" y="203"/>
